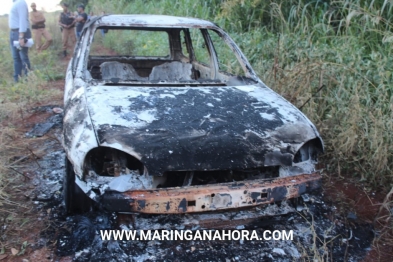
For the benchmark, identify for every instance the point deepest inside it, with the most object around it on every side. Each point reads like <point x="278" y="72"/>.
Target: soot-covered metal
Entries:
<point x="134" y="125"/>
<point x="193" y="126"/>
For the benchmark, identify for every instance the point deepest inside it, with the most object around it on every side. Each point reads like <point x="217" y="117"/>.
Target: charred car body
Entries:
<point x="175" y="120"/>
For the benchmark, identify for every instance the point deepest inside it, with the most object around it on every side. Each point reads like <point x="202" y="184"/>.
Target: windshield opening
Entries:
<point x="159" y="56"/>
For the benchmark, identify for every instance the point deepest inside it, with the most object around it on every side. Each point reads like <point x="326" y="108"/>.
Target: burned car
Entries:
<point x="173" y="119"/>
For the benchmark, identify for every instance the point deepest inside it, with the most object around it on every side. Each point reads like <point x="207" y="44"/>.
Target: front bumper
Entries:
<point x="210" y="197"/>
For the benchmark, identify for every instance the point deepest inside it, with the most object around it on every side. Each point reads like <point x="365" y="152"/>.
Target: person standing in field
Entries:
<point x="90" y="15"/>
<point x="37" y="20"/>
<point x="103" y="31"/>
<point x="66" y="21"/>
<point x="18" y="22"/>
<point x="80" y="20"/>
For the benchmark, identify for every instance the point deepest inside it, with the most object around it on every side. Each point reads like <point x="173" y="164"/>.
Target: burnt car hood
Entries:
<point x="198" y="128"/>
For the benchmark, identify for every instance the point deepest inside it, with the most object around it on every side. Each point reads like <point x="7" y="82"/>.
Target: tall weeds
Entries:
<point x="352" y="58"/>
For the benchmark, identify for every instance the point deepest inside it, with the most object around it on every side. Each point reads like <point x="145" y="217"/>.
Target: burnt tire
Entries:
<point x="76" y="201"/>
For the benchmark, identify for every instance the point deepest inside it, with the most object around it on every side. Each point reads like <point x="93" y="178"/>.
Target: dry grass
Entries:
<point x="318" y="250"/>
<point x="353" y="110"/>
<point x="384" y="222"/>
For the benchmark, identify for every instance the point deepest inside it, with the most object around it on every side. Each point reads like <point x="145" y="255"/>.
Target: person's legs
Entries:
<point x="64" y="36"/>
<point x="73" y="39"/>
<point x="37" y="38"/>
<point x="48" y="39"/>
<point x="18" y="63"/>
<point x="24" y="56"/>
<point x="20" y="57"/>
<point x="64" y="39"/>
<point x="15" y="55"/>
<point x="69" y="36"/>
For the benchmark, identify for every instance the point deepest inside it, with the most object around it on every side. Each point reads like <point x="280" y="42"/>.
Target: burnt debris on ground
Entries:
<point x="311" y="218"/>
<point x="53" y="121"/>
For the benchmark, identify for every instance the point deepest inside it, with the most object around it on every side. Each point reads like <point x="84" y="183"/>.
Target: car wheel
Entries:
<point x="75" y="199"/>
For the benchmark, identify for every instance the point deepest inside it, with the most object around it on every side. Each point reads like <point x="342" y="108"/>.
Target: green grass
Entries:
<point x="45" y="67"/>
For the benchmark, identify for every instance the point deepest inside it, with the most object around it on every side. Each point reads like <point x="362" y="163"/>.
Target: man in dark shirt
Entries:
<point x="66" y="21"/>
<point x="80" y="20"/>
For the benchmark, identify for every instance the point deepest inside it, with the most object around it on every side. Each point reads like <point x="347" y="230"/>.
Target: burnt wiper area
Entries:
<point x="132" y="82"/>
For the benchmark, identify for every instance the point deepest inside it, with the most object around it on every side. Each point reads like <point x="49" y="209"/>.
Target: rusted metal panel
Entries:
<point x="213" y="197"/>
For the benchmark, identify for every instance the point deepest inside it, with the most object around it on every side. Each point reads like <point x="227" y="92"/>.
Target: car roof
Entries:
<point x="153" y="21"/>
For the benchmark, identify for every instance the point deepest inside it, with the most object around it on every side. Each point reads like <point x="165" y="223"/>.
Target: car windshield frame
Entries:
<point x="88" y="35"/>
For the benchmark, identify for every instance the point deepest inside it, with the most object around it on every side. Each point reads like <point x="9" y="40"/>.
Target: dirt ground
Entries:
<point x="342" y="222"/>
